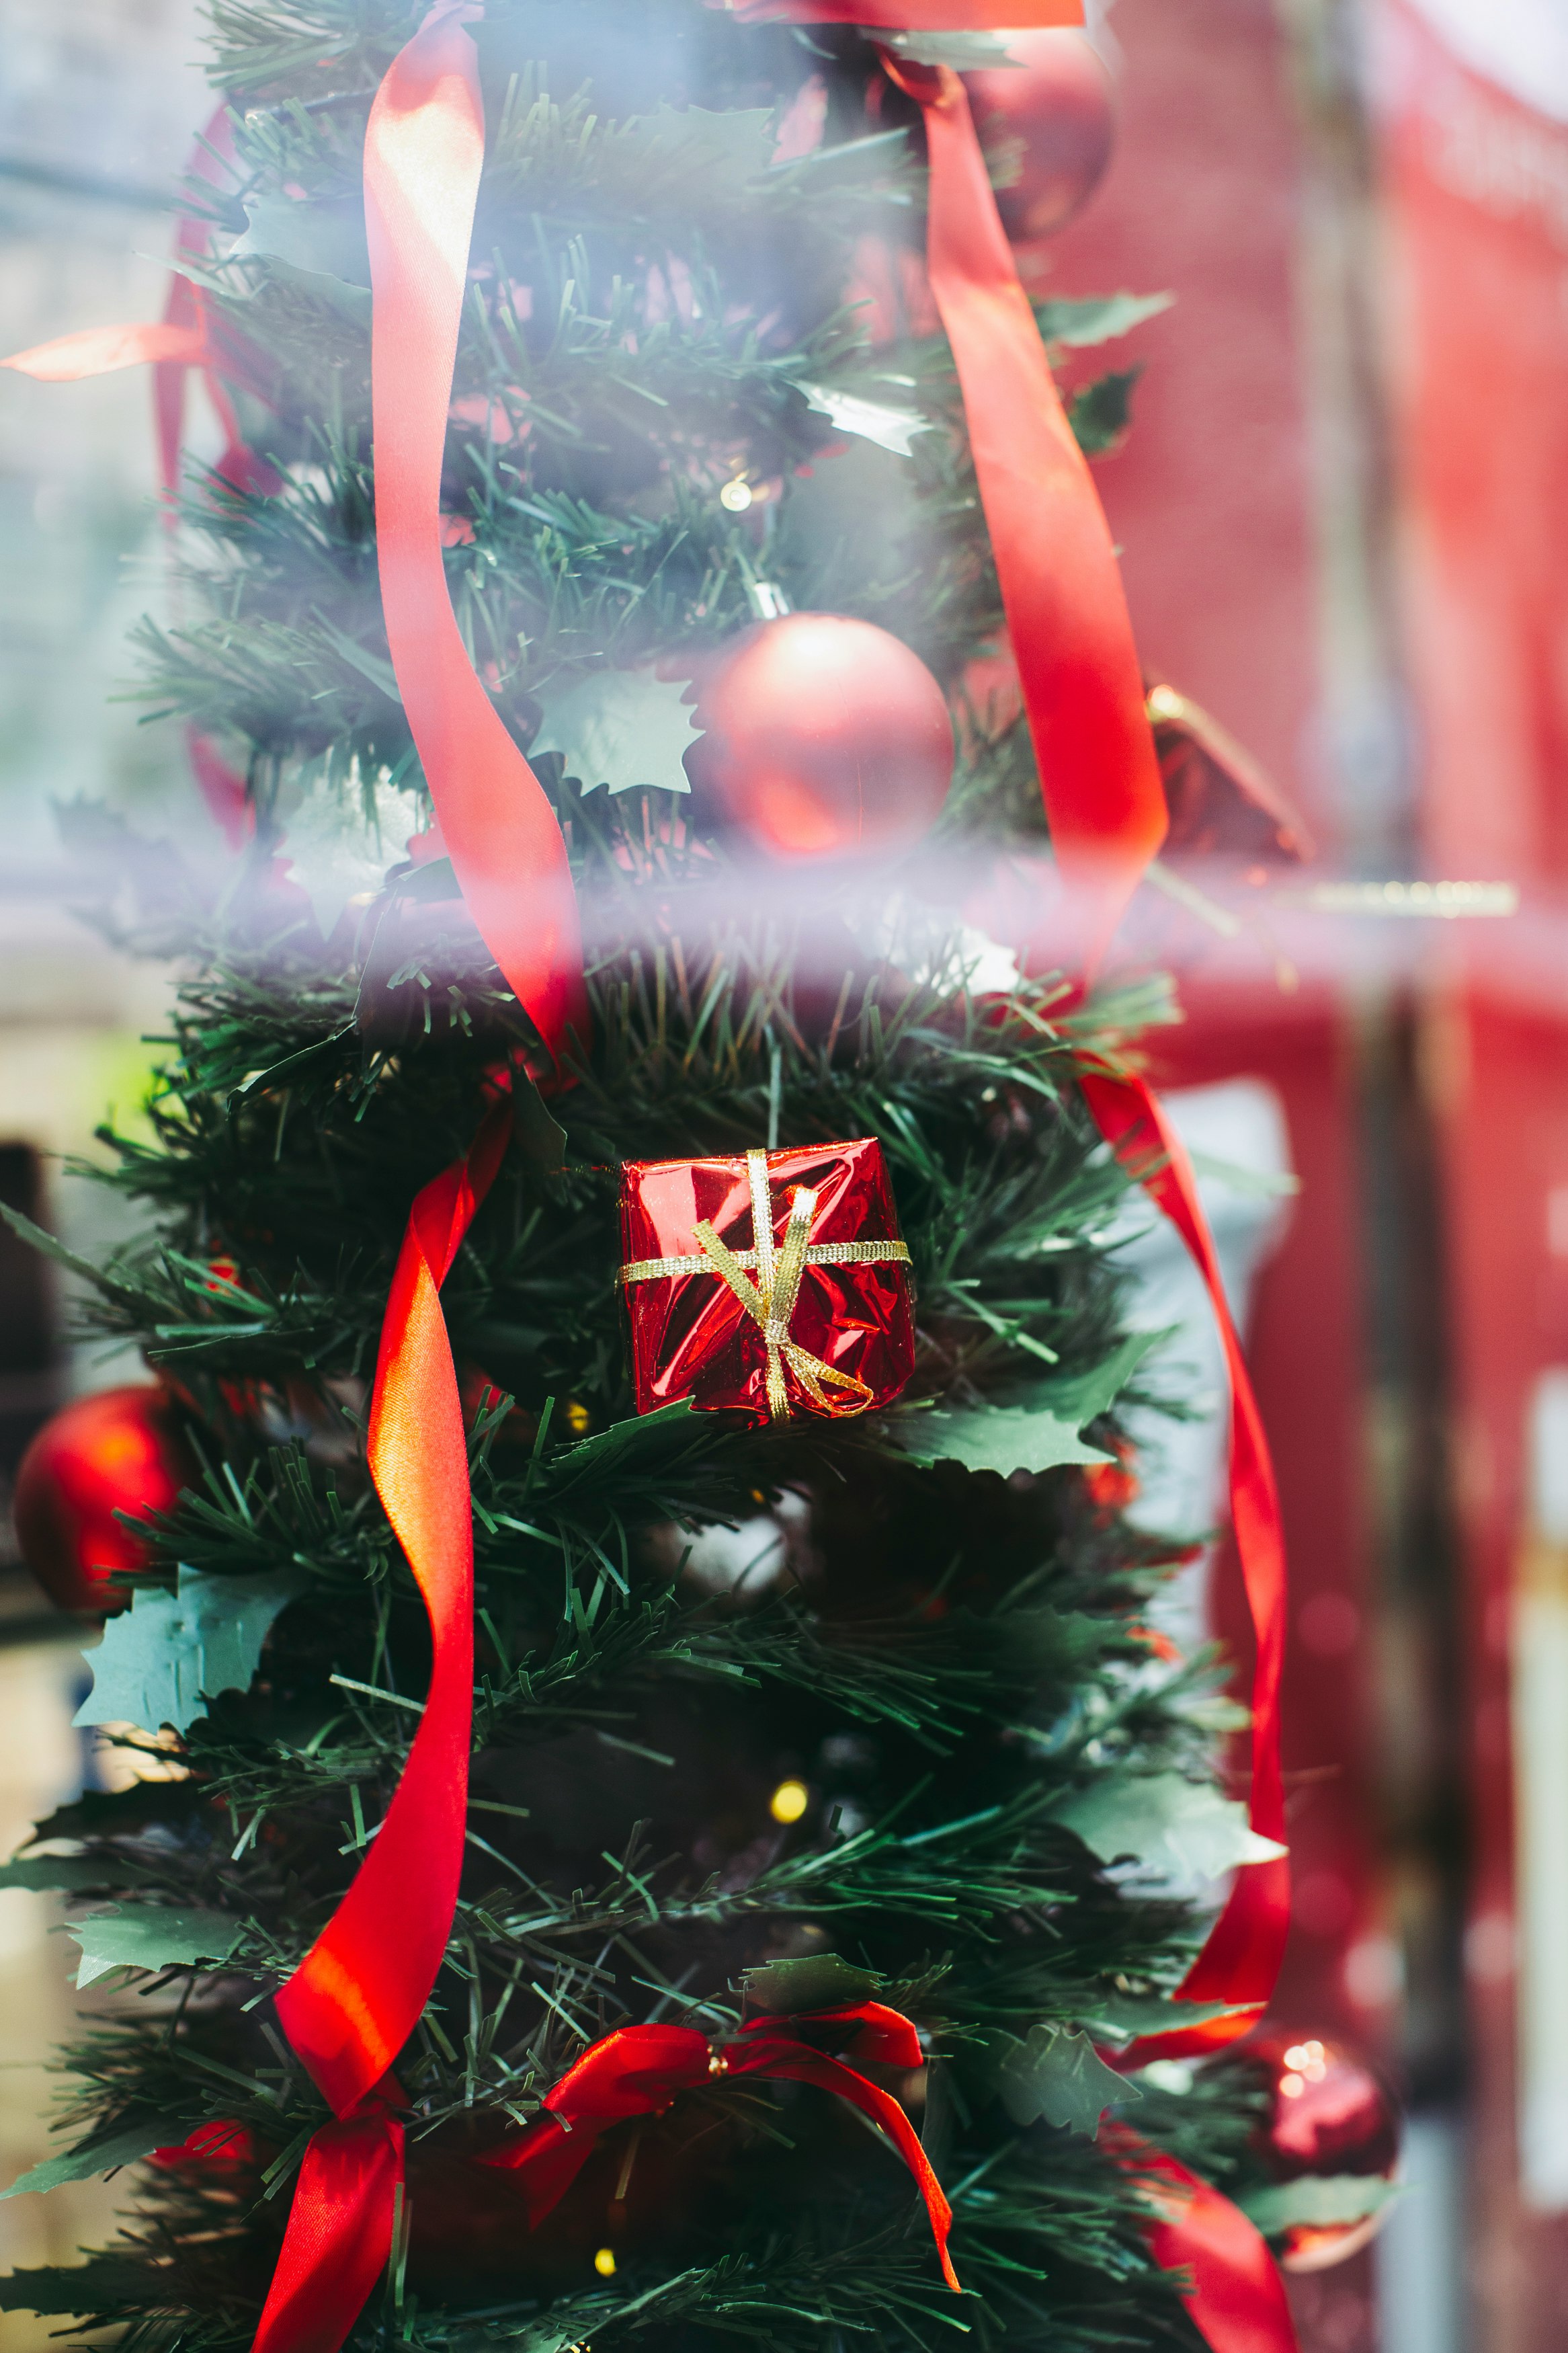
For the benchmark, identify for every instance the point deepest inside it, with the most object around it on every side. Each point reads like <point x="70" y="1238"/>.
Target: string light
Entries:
<point x="789" y="1801"/>
<point x="605" y="2262"/>
<point x="736" y="496"/>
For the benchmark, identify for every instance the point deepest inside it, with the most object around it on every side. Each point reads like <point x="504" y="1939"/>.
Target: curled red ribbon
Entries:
<point x="424" y="152"/>
<point x="1241" y="1955"/>
<point x="357" y="1996"/>
<point x="1236" y="2297"/>
<point x="1056" y="563"/>
<point x="639" y="2071"/>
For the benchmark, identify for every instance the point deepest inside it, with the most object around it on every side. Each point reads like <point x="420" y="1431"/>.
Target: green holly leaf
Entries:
<point x="1079" y="320"/>
<point x="101" y="2154"/>
<point x="540" y="1135"/>
<point x="621" y="728"/>
<point x="890" y="426"/>
<point x="734" y="143"/>
<point x="1057" y="2075"/>
<point x="1121" y="2017"/>
<point x="1181" y="1829"/>
<point x="319" y="239"/>
<point x="1101" y="412"/>
<point x="336" y="848"/>
<point x="150" y="1937"/>
<point x="1317" y="2200"/>
<point x="641" y="1434"/>
<point x="162" y="1659"/>
<point x="819" y="1981"/>
<point x="1000" y="1438"/>
<point x="73" y="1874"/>
<point x="1041" y="1433"/>
<point x="964" y="52"/>
<point x="1080" y="1398"/>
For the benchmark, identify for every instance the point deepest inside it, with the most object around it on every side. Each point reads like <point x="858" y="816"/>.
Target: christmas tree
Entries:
<point x="779" y="1873"/>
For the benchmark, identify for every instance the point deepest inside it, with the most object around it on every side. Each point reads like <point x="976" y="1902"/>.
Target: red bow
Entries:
<point x="639" y="2071"/>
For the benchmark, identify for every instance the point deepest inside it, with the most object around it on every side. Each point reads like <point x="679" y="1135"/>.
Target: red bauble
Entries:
<point x="1058" y="101"/>
<point x="1332" y="2120"/>
<point x="824" y="736"/>
<point x="121" y="1451"/>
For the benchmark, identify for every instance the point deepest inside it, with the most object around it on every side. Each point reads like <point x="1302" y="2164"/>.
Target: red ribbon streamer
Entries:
<point x="1060" y="582"/>
<point x="358" y="1994"/>
<point x="424" y="152"/>
<point x="1236" y="2299"/>
<point x="639" y="2071"/>
<point x="356" y="1997"/>
<point x="339" y="2235"/>
<point x="1240" y="1959"/>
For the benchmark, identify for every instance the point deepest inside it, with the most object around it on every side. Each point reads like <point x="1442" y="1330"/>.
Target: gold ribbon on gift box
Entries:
<point x="769" y="1300"/>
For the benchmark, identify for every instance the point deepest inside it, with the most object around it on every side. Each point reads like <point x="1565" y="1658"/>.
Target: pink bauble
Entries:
<point x="1060" y="103"/>
<point x="825" y="736"/>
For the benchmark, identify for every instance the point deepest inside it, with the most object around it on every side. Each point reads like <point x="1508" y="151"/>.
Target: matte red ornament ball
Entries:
<point x="1060" y="103"/>
<point x="120" y="1451"/>
<point x="824" y="736"/>
<point x="1330" y="2117"/>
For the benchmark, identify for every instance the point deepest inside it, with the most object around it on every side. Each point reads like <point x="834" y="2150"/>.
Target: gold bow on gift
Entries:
<point x="769" y="1300"/>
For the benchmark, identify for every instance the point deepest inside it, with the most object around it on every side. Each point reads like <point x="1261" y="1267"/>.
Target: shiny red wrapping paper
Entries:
<point x="851" y="1318"/>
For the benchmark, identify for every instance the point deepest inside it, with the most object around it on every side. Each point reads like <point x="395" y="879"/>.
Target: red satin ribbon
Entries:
<point x="639" y="2071"/>
<point x="1060" y="582"/>
<point x="356" y="1997"/>
<point x="339" y="2235"/>
<point x="1240" y="1959"/>
<point x="1236" y="2299"/>
<point x="358" y="1994"/>
<point x="424" y="152"/>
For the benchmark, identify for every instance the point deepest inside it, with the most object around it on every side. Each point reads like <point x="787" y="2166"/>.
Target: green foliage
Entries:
<point x="945" y="1655"/>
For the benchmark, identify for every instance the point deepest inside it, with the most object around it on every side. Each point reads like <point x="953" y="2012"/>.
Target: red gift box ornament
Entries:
<point x="774" y="1283"/>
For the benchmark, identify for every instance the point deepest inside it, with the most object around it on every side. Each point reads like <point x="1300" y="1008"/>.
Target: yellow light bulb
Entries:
<point x="789" y="1801"/>
<point x="605" y="2262"/>
<point x="1292" y="2087"/>
<point x="736" y="496"/>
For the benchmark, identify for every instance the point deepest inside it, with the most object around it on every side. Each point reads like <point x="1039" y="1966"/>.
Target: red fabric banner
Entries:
<point x="639" y="2070"/>
<point x="424" y="152"/>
